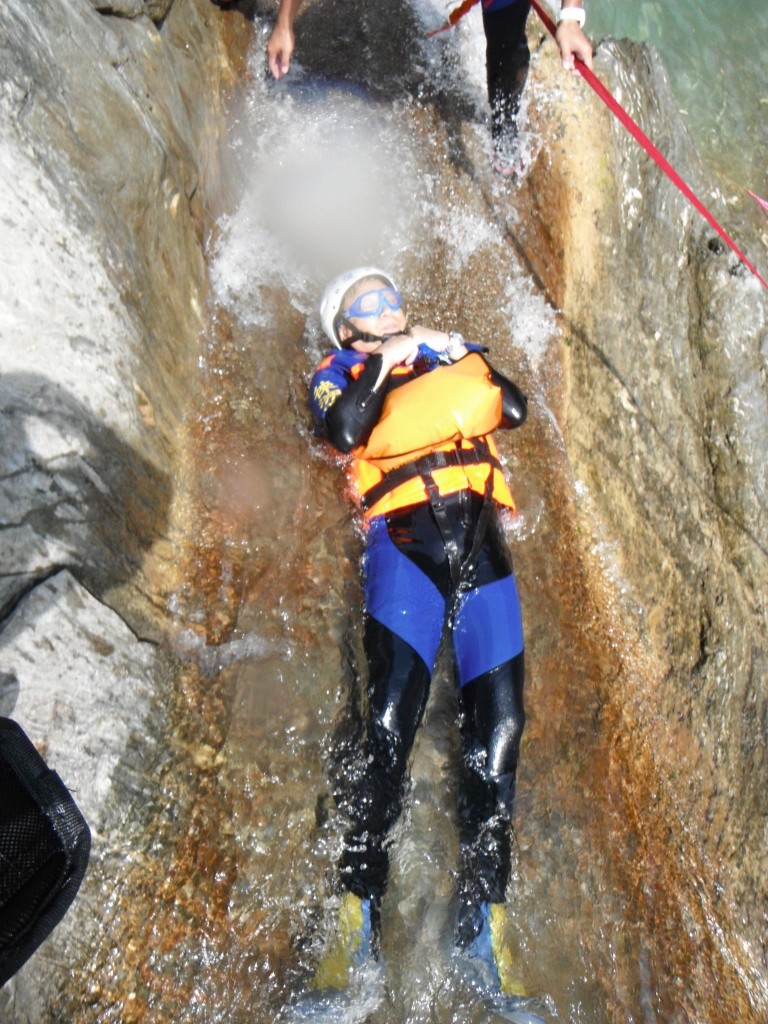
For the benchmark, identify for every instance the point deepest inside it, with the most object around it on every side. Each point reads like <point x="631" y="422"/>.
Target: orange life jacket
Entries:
<point x="433" y="432"/>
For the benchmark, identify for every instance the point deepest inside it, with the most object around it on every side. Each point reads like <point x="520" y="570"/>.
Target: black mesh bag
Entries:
<point x="44" y="848"/>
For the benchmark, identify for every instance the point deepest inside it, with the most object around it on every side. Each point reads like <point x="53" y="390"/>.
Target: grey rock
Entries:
<point x="80" y="684"/>
<point x="105" y="144"/>
<point x="86" y="692"/>
<point x="109" y="134"/>
<point x="121" y="8"/>
<point x="157" y="10"/>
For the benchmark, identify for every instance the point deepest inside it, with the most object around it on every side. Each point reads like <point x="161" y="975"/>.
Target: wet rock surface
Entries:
<point x="666" y="398"/>
<point x="109" y="136"/>
<point x="109" y="178"/>
<point x="109" y="153"/>
<point x="92" y="698"/>
<point x="154" y="9"/>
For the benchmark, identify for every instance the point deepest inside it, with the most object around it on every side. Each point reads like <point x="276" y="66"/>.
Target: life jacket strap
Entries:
<point x="479" y="454"/>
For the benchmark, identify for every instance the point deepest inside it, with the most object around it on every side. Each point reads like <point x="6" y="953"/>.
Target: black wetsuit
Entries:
<point x="506" y="60"/>
<point x="442" y="561"/>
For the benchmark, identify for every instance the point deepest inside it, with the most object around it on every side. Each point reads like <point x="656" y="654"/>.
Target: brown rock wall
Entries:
<point x="665" y="394"/>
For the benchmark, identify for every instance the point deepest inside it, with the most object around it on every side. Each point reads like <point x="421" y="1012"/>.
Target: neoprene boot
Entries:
<point x="353" y="943"/>
<point x="481" y="938"/>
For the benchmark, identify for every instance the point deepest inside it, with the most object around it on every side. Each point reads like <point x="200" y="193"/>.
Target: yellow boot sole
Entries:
<point x="336" y="962"/>
<point x="511" y="985"/>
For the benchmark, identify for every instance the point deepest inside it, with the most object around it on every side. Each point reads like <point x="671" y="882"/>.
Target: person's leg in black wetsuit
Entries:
<point x="409" y="588"/>
<point x="507" y="60"/>
<point x="396" y="705"/>
<point x="407" y="579"/>
<point x="492" y="723"/>
<point x="488" y="642"/>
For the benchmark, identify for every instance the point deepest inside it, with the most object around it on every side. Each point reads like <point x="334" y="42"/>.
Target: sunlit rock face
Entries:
<point x="109" y="137"/>
<point x="109" y="147"/>
<point x="666" y="414"/>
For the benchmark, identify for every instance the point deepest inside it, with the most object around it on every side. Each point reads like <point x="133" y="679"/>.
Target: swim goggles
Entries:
<point x="372" y="303"/>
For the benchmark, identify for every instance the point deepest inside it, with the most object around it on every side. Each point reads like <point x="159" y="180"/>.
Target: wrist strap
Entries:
<point x="572" y="14"/>
<point x="455" y="342"/>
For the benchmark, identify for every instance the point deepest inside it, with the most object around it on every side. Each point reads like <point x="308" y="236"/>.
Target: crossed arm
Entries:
<point x="350" y="419"/>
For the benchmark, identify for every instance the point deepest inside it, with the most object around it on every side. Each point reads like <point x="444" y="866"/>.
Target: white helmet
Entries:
<point x="330" y="304"/>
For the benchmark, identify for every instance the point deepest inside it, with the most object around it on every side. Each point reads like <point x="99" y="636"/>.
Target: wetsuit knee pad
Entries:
<point x="399" y="682"/>
<point x="494" y="719"/>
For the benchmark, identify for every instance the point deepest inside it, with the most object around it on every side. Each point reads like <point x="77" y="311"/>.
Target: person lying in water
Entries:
<point x="416" y="409"/>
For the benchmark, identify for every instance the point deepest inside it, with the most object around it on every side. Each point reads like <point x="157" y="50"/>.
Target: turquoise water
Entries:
<point x="714" y="51"/>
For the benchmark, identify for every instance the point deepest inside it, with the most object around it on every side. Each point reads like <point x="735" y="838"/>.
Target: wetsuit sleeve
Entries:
<point x="353" y="412"/>
<point x="514" y="403"/>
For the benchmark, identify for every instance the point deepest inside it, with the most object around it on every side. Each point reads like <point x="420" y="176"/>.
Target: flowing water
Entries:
<point x="715" y="55"/>
<point x="326" y="175"/>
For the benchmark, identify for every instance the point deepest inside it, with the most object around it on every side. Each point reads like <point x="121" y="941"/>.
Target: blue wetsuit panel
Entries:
<point x="488" y="630"/>
<point x="400" y="596"/>
<point x="497" y="5"/>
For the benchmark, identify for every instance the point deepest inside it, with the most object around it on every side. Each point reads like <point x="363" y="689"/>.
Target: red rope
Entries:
<point x="455" y="16"/>
<point x="637" y="133"/>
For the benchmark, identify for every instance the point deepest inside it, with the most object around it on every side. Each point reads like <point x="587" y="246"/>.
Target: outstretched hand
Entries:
<point x="280" y="48"/>
<point x="573" y="44"/>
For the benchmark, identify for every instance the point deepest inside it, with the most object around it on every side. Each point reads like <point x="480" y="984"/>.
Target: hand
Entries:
<point x="398" y="350"/>
<point x="438" y="341"/>
<point x="573" y="43"/>
<point x="280" y="48"/>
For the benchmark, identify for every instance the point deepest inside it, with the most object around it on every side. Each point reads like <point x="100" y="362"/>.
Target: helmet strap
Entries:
<point x="357" y="335"/>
